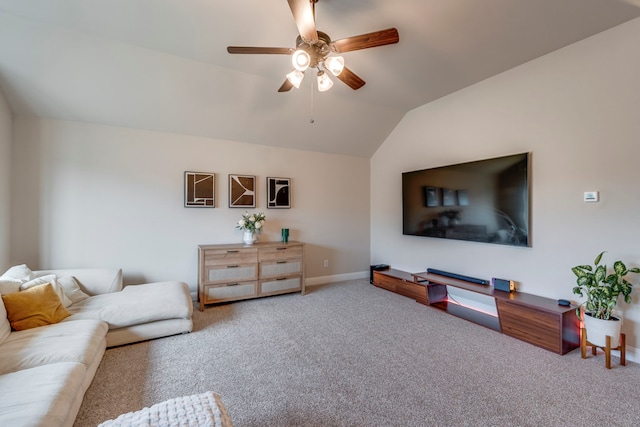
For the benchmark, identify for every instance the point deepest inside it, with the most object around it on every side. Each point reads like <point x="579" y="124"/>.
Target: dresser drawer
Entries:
<point x="280" y="253"/>
<point x="231" y="273"/>
<point x="280" y="268"/>
<point x="230" y="256"/>
<point x="230" y="292"/>
<point x="281" y="285"/>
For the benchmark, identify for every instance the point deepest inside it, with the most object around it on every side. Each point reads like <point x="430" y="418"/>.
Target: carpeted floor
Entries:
<point x="351" y="354"/>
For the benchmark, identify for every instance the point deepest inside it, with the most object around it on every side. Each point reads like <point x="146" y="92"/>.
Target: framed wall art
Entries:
<point x="242" y="191"/>
<point x="199" y="190"/>
<point x="278" y="193"/>
<point x="448" y="197"/>
<point x="431" y="198"/>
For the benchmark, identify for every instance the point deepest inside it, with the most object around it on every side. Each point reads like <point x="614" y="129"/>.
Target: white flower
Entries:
<point x="251" y="222"/>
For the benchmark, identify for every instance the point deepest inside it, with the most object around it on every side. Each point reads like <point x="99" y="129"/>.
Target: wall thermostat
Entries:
<point x="591" y="196"/>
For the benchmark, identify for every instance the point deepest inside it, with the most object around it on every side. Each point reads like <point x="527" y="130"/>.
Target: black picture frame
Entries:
<point x="278" y="193"/>
<point x="449" y="197"/>
<point x="242" y="191"/>
<point x="199" y="189"/>
<point x="431" y="197"/>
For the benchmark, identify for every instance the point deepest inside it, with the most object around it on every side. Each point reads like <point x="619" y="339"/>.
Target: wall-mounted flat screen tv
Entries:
<point x="480" y="201"/>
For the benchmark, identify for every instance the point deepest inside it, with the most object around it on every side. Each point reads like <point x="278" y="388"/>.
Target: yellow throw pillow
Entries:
<point x="37" y="306"/>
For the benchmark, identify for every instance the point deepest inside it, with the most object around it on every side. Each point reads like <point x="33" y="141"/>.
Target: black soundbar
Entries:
<point x="458" y="276"/>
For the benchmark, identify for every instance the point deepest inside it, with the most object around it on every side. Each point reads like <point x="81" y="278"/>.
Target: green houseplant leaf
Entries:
<point x="602" y="290"/>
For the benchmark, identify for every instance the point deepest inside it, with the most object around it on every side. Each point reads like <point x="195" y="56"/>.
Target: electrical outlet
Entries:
<point x="326" y="263"/>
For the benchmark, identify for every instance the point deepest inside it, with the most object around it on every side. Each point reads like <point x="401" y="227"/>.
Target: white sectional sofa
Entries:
<point x="45" y="370"/>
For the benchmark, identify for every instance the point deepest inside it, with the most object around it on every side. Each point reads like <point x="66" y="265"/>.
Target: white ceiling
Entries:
<point x="162" y="64"/>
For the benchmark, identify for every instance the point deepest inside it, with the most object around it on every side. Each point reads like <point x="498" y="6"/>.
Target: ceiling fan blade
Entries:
<point x="305" y="21"/>
<point x="365" y="41"/>
<point x="286" y="86"/>
<point x="260" y="50"/>
<point x="351" y="79"/>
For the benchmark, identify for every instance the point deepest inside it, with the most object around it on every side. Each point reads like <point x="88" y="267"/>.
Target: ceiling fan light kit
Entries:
<point x="313" y="48"/>
<point x="335" y="64"/>
<point x="295" y="78"/>
<point x="300" y="60"/>
<point x="324" y="82"/>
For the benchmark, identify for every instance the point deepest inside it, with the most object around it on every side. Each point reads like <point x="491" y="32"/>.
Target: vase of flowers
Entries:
<point x="251" y="224"/>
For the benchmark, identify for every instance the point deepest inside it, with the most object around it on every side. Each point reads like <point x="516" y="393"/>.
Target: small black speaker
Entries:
<point x="377" y="267"/>
<point x="503" y="285"/>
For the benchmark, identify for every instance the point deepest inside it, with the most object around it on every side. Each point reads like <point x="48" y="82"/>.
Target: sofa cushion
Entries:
<point x="9" y="286"/>
<point x="72" y="289"/>
<point x="63" y="342"/>
<point x="41" y="396"/>
<point x="93" y="281"/>
<point x="49" y="278"/>
<point x="5" y="326"/>
<point x="34" y="307"/>
<point x="137" y="304"/>
<point x="20" y="272"/>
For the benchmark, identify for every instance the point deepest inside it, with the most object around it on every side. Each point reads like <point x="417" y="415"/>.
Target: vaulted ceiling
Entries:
<point x="162" y="64"/>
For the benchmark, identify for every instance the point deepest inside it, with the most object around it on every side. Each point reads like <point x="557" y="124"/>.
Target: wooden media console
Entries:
<point x="537" y="320"/>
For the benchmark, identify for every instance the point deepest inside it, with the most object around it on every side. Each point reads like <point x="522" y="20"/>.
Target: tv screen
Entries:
<point x="481" y="201"/>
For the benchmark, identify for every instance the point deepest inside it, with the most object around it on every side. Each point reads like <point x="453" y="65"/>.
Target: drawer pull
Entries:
<point x="281" y="262"/>
<point x="281" y="249"/>
<point x="281" y="278"/>
<point x="232" y="284"/>
<point x="232" y="266"/>
<point x="232" y="252"/>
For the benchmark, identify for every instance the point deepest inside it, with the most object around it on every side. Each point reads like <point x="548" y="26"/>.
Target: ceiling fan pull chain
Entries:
<point x="311" y="119"/>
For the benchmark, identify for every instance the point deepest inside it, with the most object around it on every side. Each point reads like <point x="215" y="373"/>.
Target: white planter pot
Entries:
<point x="248" y="238"/>
<point x="598" y="329"/>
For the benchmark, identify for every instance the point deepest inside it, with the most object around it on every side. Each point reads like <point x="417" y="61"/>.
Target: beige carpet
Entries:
<point x="350" y="354"/>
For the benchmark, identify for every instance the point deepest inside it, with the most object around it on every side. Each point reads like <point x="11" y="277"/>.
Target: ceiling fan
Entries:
<point x="315" y="49"/>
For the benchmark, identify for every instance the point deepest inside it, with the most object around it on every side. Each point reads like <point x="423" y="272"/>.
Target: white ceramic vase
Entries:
<point x="248" y="238"/>
<point x="598" y="329"/>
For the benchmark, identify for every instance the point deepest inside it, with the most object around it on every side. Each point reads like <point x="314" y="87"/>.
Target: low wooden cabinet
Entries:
<point x="233" y="272"/>
<point x="537" y="320"/>
<point x="401" y="283"/>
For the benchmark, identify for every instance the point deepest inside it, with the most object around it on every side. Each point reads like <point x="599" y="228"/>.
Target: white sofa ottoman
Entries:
<point x="133" y="312"/>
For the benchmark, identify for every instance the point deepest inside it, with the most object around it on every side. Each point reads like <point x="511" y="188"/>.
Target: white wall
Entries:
<point x="6" y="119"/>
<point x="90" y="195"/>
<point x="577" y="110"/>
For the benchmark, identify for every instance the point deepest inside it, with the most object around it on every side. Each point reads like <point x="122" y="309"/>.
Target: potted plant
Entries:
<point x="602" y="290"/>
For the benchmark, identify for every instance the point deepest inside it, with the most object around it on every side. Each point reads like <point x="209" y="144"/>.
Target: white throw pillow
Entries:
<point x="71" y="289"/>
<point x="49" y="278"/>
<point x="9" y="286"/>
<point x="5" y="326"/>
<point x="19" y="272"/>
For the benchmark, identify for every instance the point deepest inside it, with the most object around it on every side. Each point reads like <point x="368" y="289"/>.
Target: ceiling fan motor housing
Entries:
<point x="317" y="51"/>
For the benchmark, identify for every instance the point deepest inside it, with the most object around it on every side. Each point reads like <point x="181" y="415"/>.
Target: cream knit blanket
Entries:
<point x="200" y="410"/>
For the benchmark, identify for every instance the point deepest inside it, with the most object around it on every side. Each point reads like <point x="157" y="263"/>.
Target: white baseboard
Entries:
<point x="320" y="280"/>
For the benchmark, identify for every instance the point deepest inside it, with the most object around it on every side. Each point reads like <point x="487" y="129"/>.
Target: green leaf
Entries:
<point x="599" y="257"/>
<point x="583" y="281"/>
<point x="619" y="268"/>
<point x="581" y="270"/>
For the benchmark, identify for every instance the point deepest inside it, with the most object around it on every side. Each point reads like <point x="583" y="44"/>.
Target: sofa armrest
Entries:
<point x="93" y="281"/>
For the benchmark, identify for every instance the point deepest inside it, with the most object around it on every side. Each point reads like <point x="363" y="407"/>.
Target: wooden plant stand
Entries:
<point x="607" y="348"/>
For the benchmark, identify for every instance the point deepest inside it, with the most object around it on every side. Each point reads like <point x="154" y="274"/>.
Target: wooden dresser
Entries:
<point x="232" y="272"/>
